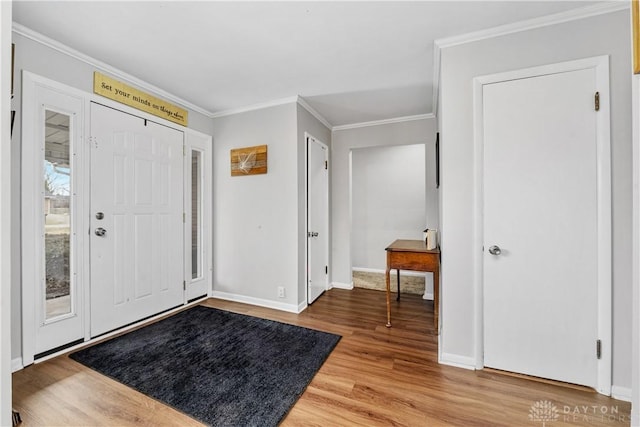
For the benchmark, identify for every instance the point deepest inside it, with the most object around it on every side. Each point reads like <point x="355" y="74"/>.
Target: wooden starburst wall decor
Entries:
<point x="249" y="160"/>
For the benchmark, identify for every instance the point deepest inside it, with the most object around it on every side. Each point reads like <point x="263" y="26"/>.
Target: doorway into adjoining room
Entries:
<point x="388" y="202"/>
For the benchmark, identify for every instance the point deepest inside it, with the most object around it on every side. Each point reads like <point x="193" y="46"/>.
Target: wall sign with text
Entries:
<point x="125" y="94"/>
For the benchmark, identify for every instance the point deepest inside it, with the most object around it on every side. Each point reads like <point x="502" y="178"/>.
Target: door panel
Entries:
<point x="136" y="183"/>
<point x="318" y="212"/>
<point x="540" y="208"/>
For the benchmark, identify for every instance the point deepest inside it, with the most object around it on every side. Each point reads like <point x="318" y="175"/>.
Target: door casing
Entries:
<point x="83" y="266"/>
<point x="604" y="234"/>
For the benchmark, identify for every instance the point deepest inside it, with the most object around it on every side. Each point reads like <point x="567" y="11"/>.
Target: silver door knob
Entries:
<point x="100" y="232"/>
<point x="495" y="250"/>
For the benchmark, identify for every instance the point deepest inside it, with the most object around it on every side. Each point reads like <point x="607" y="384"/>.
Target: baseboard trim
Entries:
<point x="16" y="364"/>
<point x="291" y="308"/>
<point x="338" y="285"/>
<point x="621" y="393"/>
<point x="457" y="361"/>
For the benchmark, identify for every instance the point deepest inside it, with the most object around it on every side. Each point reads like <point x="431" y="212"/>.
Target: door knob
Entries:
<point x="495" y="250"/>
<point x="100" y="232"/>
<point x="312" y="234"/>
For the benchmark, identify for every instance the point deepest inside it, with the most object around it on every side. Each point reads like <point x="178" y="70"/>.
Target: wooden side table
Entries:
<point x="413" y="255"/>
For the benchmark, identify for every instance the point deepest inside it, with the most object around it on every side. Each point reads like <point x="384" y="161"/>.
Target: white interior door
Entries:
<point x="541" y="211"/>
<point x="318" y="218"/>
<point x="137" y="257"/>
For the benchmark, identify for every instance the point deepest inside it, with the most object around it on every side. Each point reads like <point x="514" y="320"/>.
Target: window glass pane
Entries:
<point x="196" y="218"/>
<point x="57" y="215"/>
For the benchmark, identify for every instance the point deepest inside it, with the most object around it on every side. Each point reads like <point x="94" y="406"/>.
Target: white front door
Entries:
<point x="541" y="226"/>
<point x="318" y="219"/>
<point x="137" y="261"/>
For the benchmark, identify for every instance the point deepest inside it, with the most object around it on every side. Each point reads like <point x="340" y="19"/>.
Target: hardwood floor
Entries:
<point x="375" y="376"/>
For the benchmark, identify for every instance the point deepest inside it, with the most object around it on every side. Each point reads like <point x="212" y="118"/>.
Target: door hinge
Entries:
<point x="184" y="285"/>
<point x="326" y="164"/>
<point x="184" y="151"/>
<point x="326" y="269"/>
<point x="184" y="217"/>
<point x="598" y="349"/>
<point x="597" y="101"/>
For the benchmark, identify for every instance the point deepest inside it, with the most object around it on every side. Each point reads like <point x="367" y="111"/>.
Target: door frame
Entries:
<point x="307" y="138"/>
<point x="604" y="234"/>
<point x="83" y="211"/>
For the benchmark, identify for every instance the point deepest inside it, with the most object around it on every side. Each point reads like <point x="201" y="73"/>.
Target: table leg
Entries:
<point x="398" y="276"/>
<point x="388" y="280"/>
<point x="436" y="299"/>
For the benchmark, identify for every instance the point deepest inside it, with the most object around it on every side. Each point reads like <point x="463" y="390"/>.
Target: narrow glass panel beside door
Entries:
<point x="196" y="215"/>
<point x="57" y="216"/>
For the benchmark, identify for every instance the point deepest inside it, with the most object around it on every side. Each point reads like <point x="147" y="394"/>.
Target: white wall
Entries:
<point x="306" y="123"/>
<point x="388" y="200"/>
<point x="51" y="63"/>
<point x="422" y="131"/>
<point x="605" y="34"/>
<point x="256" y="216"/>
<point x="5" y="214"/>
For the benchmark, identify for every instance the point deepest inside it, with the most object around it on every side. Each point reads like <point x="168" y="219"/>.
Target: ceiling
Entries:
<point x="352" y="62"/>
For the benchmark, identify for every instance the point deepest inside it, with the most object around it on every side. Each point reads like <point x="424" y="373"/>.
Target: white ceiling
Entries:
<point x="352" y="62"/>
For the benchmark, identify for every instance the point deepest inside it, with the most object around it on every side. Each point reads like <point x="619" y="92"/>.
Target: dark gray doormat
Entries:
<point x="221" y="368"/>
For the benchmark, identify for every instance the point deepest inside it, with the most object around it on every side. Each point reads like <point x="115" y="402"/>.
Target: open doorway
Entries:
<point x="388" y="202"/>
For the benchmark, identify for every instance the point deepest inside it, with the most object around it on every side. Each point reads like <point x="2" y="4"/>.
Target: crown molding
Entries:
<point x="385" y="122"/>
<point x="303" y="103"/>
<point x="530" y="24"/>
<point x="254" y="107"/>
<point x="516" y="27"/>
<point x="66" y="50"/>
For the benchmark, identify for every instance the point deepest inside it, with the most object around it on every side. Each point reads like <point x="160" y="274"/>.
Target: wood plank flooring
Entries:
<point x="374" y="377"/>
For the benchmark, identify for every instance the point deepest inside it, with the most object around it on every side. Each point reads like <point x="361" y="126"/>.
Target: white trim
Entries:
<point x="531" y="24"/>
<point x="303" y="103"/>
<point x="515" y="27"/>
<point x="119" y="331"/>
<point x="290" y="308"/>
<point x="16" y="364"/>
<point x="458" y="361"/>
<point x="384" y="122"/>
<point x="621" y="393"/>
<point x="5" y="213"/>
<point x="254" y="107"/>
<point x="601" y="66"/>
<point x="436" y="77"/>
<point x="114" y="72"/>
<point x="338" y="285"/>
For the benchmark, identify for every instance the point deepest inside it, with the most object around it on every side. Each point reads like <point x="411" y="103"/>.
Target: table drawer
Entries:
<point x="413" y="261"/>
